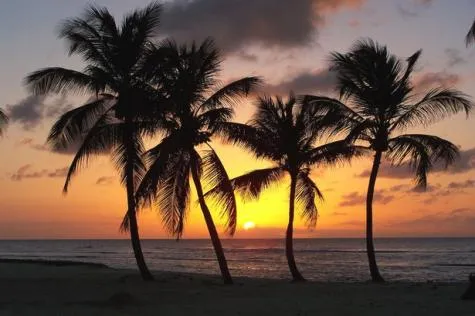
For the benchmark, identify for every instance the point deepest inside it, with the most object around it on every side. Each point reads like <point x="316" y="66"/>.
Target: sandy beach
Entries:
<point x="29" y="288"/>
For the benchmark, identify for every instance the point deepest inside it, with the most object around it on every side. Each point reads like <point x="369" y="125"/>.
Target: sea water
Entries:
<point x="340" y="260"/>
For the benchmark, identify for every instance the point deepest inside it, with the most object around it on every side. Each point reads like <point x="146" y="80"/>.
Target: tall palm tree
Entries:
<point x="377" y="85"/>
<point x="3" y="121"/>
<point x="188" y="79"/>
<point x="114" y="79"/>
<point x="470" y="37"/>
<point x="286" y="133"/>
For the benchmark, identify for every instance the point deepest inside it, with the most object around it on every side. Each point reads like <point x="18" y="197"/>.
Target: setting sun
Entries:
<point x="248" y="225"/>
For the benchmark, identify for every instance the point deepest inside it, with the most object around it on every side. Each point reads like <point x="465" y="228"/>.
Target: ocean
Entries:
<point x="339" y="260"/>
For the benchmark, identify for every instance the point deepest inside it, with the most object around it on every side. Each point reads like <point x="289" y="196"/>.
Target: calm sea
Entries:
<point x="400" y="259"/>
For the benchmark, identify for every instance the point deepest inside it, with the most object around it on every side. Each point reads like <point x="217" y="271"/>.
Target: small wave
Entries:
<point x="455" y="265"/>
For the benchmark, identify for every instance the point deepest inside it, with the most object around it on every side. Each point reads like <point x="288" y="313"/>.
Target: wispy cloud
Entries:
<point x="454" y="57"/>
<point x="32" y="144"/>
<point x="356" y="198"/>
<point x="27" y="172"/>
<point x="105" y="180"/>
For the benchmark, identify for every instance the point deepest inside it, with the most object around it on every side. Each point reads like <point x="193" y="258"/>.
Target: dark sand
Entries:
<point x="42" y="288"/>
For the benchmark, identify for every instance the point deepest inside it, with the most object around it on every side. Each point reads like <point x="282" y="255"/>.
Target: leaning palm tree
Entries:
<point x="188" y="78"/>
<point x="377" y="85"/>
<point x="3" y="121"/>
<point x="113" y="78"/>
<point x="286" y="133"/>
<point x="470" y="37"/>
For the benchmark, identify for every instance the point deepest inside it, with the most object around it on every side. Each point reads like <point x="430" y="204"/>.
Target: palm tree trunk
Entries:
<point x="373" y="267"/>
<point x="131" y="213"/>
<point x="289" y="247"/>
<point x="213" y="233"/>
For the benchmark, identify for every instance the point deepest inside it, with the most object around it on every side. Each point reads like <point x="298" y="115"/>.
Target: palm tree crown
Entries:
<point x="286" y="133"/>
<point x="384" y="103"/>
<point x="379" y="88"/>
<point x="120" y="98"/>
<point x="188" y="79"/>
<point x="470" y="37"/>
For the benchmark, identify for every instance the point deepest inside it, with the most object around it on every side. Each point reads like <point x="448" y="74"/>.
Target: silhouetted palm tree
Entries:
<point x="114" y="79"/>
<point x="3" y="121"/>
<point x="377" y="85"/>
<point x="470" y="37"/>
<point x="286" y="134"/>
<point x="188" y="79"/>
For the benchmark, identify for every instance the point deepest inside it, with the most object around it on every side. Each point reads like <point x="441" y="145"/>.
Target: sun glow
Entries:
<point x="248" y="225"/>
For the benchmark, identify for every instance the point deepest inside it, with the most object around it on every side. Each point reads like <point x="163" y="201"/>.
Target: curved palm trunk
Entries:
<point x="131" y="213"/>
<point x="289" y="247"/>
<point x="373" y="267"/>
<point x="213" y="233"/>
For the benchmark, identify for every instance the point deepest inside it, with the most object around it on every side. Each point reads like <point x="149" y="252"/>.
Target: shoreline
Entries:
<point x="177" y="274"/>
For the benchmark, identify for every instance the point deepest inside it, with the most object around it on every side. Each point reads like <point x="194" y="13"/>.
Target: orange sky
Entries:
<point x="31" y="178"/>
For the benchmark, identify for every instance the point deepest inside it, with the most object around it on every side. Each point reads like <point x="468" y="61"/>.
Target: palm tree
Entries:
<point x="286" y="132"/>
<point x="383" y="102"/>
<point x="470" y="37"/>
<point x="3" y="121"/>
<point x="188" y="79"/>
<point x="113" y="78"/>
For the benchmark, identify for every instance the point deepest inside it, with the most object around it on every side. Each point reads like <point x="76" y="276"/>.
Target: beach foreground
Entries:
<point x="30" y="288"/>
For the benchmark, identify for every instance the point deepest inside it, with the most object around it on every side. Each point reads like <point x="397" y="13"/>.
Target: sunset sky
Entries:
<point x="285" y="42"/>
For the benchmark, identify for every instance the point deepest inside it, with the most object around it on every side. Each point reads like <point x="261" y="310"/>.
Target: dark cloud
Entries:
<point x="105" y="180"/>
<point x="32" y="110"/>
<point x="462" y="185"/>
<point x="28" y="112"/>
<point x="465" y="163"/>
<point x="236" y="23"/>
<point x="454" y="57"/>
<point x="307" y="82"/>
<point x="437" y="79"/>
<point x="356" y="198"/>
<point x="27" y="172"/>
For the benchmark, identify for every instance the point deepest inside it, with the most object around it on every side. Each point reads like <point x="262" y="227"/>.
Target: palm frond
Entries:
<point x="247" y="136"/>
<point x="323" y="116"/>
<point x="159" y="159"/>
<point x="174" y="194"/>
<point x="61" y="80"/>
<point x="211" y="119"/>
<point x="306" y="193"/>
<point x="421" y="152"/>
<point x="73" y="125"/>
<point x="128" y="153"/>
<point x="231" y="93"/>
<point x="100" y="138"/>
<point x="470" y="37"/>
<point x="90" y="37"/>
<point x="3" y="121"/>
<point x="216" y="176"/>
<point x="334" y="153"/>
<point x="435" y="105"/>
<point x="250" y="185"/>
